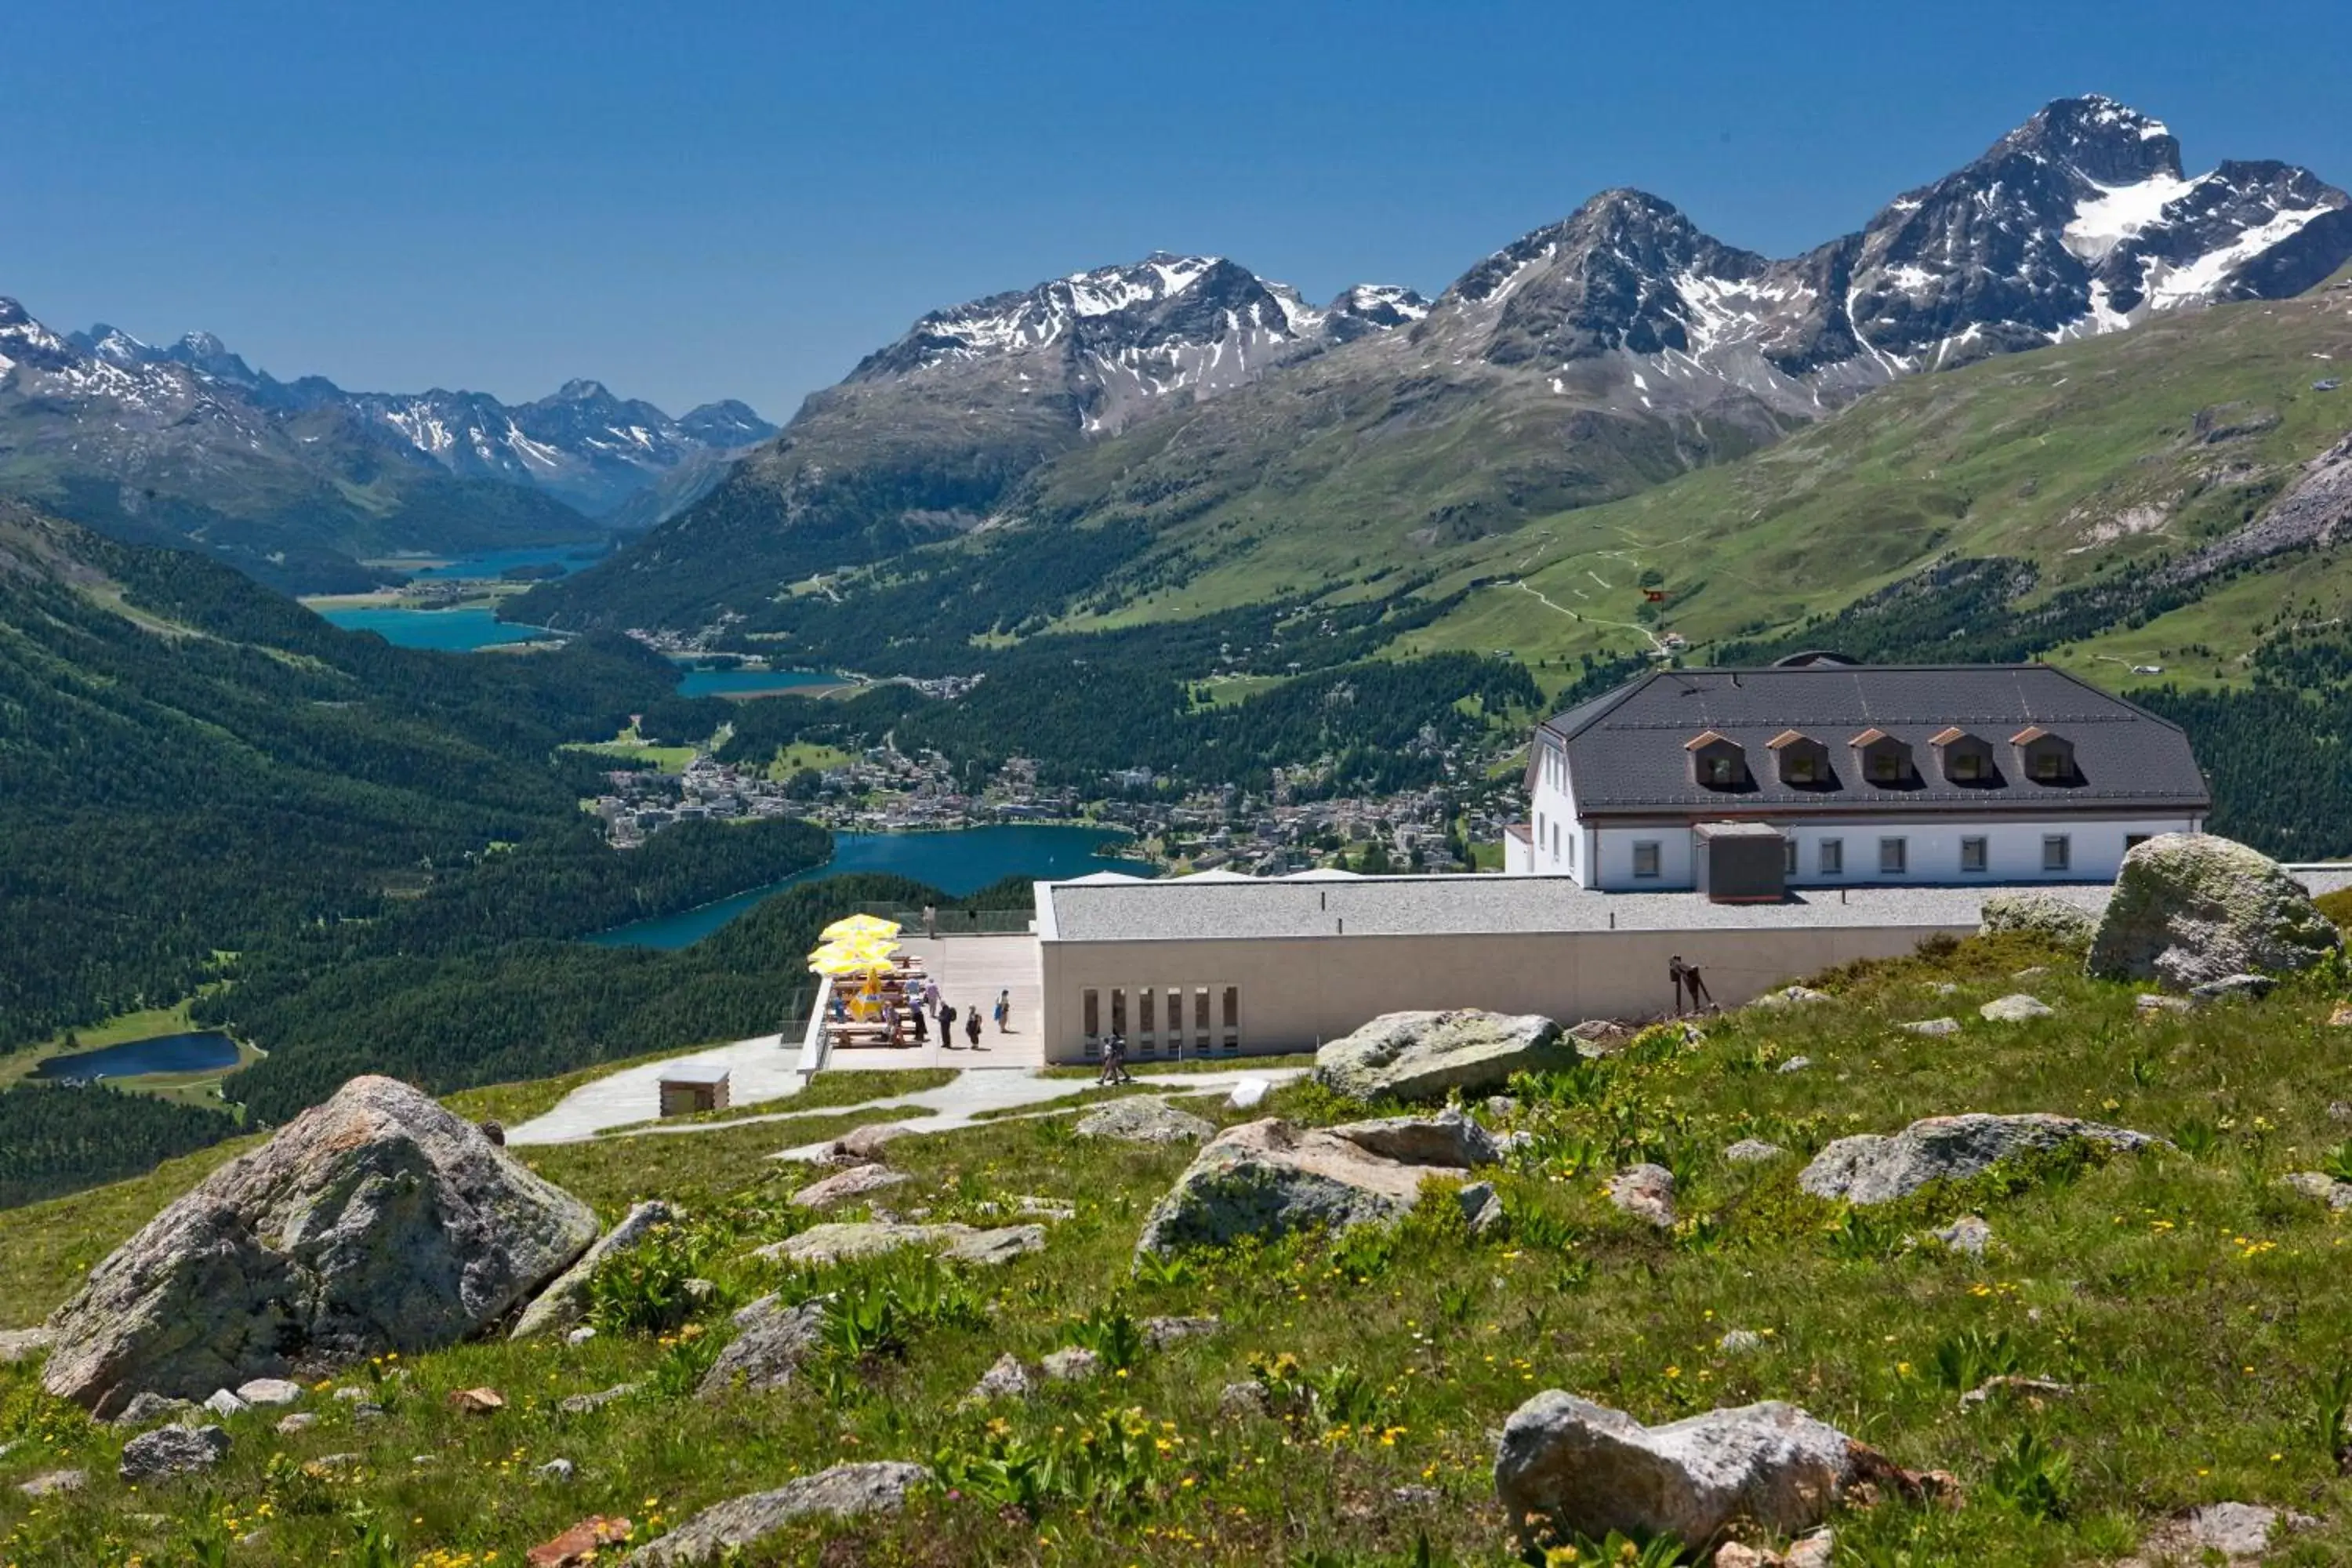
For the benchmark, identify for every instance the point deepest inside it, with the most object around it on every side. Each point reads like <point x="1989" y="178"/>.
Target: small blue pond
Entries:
<point x="201" y="1052"/>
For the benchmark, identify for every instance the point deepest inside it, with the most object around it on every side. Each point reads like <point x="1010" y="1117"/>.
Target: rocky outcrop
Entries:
<point x="376" y="1222"/>
<point x="2191" y="907"/>
<point x="171" y="1451"/>
<point x="1425" y="1056"/>
<point x="833" y="1243"/>
<point x="1144" y="1120"/>
<point x="1267" y="1178"/>
<point x="2044" y="916"/>
<point x="857" y="1182"/>
<point x="844" y="1491"/>
<point x="773" y="1342"/>
<point x="565" y="1302"/>
<point x="1645" y="1192"/>
<point x="1567" y="1466"/>
<point x="21" y="1344"/>
<point x="1870" y="1168"/>
<point x="1448" y="1138"/>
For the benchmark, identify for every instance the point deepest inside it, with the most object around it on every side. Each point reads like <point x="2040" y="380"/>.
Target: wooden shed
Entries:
<point x="693" y="1086"/>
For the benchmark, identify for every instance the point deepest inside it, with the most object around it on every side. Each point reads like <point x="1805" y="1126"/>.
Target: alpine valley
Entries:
<point x="297" y="482"/>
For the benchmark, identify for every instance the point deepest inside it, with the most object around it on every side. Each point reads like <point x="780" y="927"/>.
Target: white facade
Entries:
<point x="1866" y="851"/>
<point x="1937" y="847"/>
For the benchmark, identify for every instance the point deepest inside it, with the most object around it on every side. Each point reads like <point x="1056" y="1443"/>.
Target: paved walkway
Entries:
<point x="628" y="1096"/>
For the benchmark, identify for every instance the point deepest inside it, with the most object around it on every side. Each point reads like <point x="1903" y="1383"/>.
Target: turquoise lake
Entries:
<point x="750" y="682"/>
<point x="461" y="630"/>
<point x="958" y="862"/>
<point x="200" y="1052"/>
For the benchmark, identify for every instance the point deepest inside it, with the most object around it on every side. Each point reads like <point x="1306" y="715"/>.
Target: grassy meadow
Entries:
<point x="2199" y="1313"/>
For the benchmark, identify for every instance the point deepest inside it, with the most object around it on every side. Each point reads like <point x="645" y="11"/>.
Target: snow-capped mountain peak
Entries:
<point x="1114" y="339"/>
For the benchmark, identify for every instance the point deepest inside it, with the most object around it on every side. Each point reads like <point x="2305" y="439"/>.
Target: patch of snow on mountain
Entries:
<point x="2119" y="212"/>
<point x="2202" y="278"/>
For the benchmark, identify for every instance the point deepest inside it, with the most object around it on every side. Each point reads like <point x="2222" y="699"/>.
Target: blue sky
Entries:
<point x="692" y="201"/>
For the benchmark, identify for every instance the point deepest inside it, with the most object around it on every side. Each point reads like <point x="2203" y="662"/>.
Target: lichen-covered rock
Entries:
<point x="857" y="1182"/>
<point x="1007" y="1379"/>
<point x="2318" y="1186"/>
<point x="1645" y="1192"/>
<point x="844" y="1491"/>
<point x="1935" y="1028"/>
<point x="1567" y="1466"/>
<point x="1267" y="1178"/>
<point x="147" y="1407"/>
<point x="270" y="1392"/>
<point x="1870" y="1168"/>
<point x="1448" y="1138"/>
<point x="1144" y="1119"/>
<point x="171" y="1451"/>
<point x="2191" y="907"/>
<point x="1071" y="1363"/>
<point x="22" y="1344"/>
<point x="565" y="1302"/>
<point x="775" y="1340"/>
<point x="1752" y="1151"/>
<point x="1969" y="1234"/>
<point x="376" y="1222"/>
<point x="843" y="1239"/>
<point x="2015" y="1008"/>
<point x="2045" y="916"/>
<point x="1424" y="1056"/>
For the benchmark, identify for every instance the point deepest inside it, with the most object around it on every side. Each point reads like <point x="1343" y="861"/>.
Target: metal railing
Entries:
<point x="948" y="921"/>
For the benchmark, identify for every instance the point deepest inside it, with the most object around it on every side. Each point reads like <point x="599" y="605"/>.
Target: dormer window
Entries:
<point x="2046" y="759"/>
<point x="1718" y="761"/>
<point x="1885" y="761"/>
<point x="1804" y="761"/>
<point x="1966" y="759"/>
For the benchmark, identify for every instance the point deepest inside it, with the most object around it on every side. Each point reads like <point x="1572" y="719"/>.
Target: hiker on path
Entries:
<point x="931" y="922"/>
<point x="972" y="1028"/>
<point x="1004" y="1011"/>
<point x="1114" y="1063"/>
<point x="1685" y="977"/>
<point x="922" y="1023"/>
<point x="947" y="1025"/>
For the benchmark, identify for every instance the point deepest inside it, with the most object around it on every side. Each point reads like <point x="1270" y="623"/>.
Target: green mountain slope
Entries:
<point x="189" y="763"/>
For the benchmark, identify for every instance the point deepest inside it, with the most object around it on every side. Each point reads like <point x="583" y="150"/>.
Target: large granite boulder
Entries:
<point x="1267" y="1178"/>
<point x="2043" y="915"/>
<point x="1424" y="1056"/>
<point x="843" y="1492"/>
<point x="565" y="1302"/>
<point x="2190" y="908"/>
<point x="375" y="1222"/>
<point x="1869" y="1169"/>
<point x="1567" y="1466"/>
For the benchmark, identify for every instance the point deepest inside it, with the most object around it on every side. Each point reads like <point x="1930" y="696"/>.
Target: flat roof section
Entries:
<point x="1484" y="904"/>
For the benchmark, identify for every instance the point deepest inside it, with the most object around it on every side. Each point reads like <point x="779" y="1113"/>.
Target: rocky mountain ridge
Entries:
<point x="1590" y="358"/>
<point x="581" y="444"/>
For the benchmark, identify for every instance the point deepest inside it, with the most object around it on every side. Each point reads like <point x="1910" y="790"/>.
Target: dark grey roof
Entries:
<point x="1626" y="752"/>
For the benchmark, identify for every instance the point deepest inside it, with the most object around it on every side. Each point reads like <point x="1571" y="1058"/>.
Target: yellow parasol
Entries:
<point x="860" y="928"/>
<point x="836" y="960"/>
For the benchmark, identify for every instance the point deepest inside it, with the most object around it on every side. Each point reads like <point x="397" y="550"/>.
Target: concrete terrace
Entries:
<point x="971" y="971"/>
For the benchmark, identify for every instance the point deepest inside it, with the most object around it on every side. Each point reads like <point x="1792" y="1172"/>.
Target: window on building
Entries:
<point x="1094" y="1014"/>
<point x="1894" y="855"/>
<point x="1968" y="766"/>
<point x="1555" y="840"/>
<point x="1887" y="766"/>
<point x="1571" y="854"/>
<point x="1645" y="857"/>
<point x="1802" y="768"/>
<point x="2049" y="763"/>
<point x="1788" y="857"/>
<point x="1722" y="771"/>
<point x="1974" y="855"/>
<point x="2057" y="852"/>
<point x="1143" y="1011"/>
<point x="1832" y="857"/>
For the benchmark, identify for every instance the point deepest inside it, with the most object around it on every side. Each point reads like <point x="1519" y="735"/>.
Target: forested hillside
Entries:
<point x="190" y="764"/>
<point x="492" y="1012"/>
